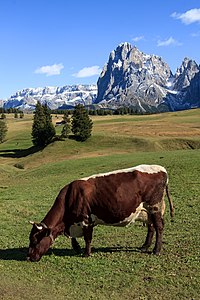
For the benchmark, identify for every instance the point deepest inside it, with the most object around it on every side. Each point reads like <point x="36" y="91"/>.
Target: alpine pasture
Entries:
<point x="30" y="180"/>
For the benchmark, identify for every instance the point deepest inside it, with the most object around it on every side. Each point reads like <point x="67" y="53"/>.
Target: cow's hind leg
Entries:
<point x="75" y="245"/>
<point x="149" y="237"/>
<point x="87" y="233"/>
<point x="158" y="223"/>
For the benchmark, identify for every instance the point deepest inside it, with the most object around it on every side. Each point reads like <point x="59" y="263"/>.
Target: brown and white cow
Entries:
<point x="117" y="198"/>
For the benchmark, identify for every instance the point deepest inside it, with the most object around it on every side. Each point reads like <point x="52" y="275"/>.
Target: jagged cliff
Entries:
<point x="133" y="78"/>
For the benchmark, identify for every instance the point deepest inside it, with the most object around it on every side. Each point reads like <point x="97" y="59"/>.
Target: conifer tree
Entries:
<point x="3" y="116"/>
<point x="67" y="126"/>
<point x="42" y="130"/>
<point x="81" y="123"/>
<point x="21" y="115"/>
<point x="3" y="130"/>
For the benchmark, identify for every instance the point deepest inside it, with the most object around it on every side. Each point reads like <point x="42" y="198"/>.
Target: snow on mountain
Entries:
<point x="55" y="97"/>
<point x="133" y="78"/>
<point x="130" y="78"/>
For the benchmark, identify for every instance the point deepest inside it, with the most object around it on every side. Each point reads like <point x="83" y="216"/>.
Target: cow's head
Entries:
<point x="40" y="240"/>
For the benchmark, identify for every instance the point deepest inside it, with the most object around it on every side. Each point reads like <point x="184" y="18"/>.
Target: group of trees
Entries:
<point x="43" y="130"/>
<point x="9" y="110"/>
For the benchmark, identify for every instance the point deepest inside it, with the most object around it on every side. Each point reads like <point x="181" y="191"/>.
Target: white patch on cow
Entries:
<point x="150" y="169"/>
<point x="127" y="221"/>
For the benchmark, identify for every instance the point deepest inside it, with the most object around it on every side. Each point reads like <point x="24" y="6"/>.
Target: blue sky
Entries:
<point x="60" y="42"/>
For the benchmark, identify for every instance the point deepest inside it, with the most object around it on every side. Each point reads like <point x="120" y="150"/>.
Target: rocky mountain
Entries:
<point x="56" y="97"/>
<point x="129" y="78"/>
<point x="132" y="78"/>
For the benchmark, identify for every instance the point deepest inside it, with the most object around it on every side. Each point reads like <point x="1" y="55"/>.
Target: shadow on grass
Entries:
<point x="68" y="252"/>
<point x="18" y="153"/>
<point x="19" y="254"/>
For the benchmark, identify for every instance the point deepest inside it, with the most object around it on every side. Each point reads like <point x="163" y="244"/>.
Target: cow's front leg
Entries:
<point x="75" y="245"/>
<point x="87" y="233"/>
<point x="159" y="225"/>
<point x="149" y="238"/>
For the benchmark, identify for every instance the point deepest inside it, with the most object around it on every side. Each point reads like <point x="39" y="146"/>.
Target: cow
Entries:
<point x="116" y="198"/>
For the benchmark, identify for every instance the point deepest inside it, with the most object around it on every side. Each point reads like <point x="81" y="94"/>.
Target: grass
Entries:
<point x="116" y="269"/>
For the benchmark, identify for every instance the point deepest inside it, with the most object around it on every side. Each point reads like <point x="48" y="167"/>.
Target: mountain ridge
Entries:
<point x="133" y="78"/>
<point x="130" y="78"/>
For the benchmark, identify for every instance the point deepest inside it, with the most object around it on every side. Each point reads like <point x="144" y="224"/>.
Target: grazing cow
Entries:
<point x="116" y="198"/>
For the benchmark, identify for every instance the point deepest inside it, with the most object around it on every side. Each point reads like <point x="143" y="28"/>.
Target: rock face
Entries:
<point x="185" y="74"/>
<point x="132" y="78"/>
<point x="192" y="92"/>
<point x="55" y="97"/>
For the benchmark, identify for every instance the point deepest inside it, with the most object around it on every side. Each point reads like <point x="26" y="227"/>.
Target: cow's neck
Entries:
<point x="54" y="218"/>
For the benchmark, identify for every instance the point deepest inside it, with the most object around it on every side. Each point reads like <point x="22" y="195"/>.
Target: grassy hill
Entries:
<point x="111" y="135"/>
<point x="116" y="270"/>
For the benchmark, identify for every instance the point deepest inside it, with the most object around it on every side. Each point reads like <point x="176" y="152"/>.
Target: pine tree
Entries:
<point x="21" y="115"/>
<point x="50" y="129"/>
<point x="3" y="130"/>
<point x="3" y="116"/>
<point x="67" y="126"/>
<point x="42" y="130"/>
<point x="81" y="123"/>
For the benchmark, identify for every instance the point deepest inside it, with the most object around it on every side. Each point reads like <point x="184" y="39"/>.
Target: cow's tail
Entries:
<point x="170" y="202"/>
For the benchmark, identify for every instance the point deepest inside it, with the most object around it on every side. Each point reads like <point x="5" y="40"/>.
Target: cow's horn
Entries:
<point x="39" y="227"/>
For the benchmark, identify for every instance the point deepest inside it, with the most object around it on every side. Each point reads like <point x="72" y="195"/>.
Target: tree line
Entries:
<point x="101" y="111"/>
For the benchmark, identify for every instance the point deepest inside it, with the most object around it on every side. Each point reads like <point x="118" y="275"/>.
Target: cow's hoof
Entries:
<point x="77" y="249"/>
<point x="86" y="255"/>
<point x="156" y="252"/>
<point x="144" y="248"/>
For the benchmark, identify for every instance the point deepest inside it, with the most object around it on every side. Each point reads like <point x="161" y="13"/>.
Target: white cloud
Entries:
<point x="138" y="38"/>
<point x="190" y="16"/>
<point x="88" y="72"/>
<point x="195" y="34"/>
<point x="169" y="42"/>
<point x="50" y="70"/>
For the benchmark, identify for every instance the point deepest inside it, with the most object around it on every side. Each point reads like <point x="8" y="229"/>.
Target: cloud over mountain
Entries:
<point x="50" y="70"/>
<point x="168" y="42"/>
<point x="88" y="72"/>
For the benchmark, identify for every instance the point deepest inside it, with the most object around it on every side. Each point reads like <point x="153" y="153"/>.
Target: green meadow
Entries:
<point x="30" y="180"/>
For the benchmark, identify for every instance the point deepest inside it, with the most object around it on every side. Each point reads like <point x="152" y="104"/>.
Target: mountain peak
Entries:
<point x="133" y="78"/>
<point x="185" y="73"/>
